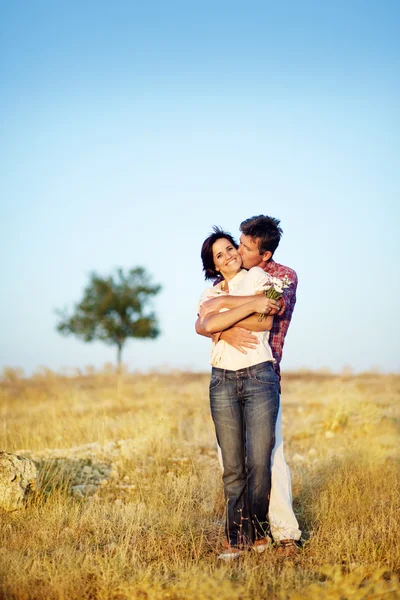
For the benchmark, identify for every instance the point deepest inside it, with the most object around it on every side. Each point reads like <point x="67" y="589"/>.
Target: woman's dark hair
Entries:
<point x="207" y="253"/>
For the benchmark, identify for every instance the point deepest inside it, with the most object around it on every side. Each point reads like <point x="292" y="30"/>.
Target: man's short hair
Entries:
<point x="264" y="230"/>
<point x="207" y="253"/>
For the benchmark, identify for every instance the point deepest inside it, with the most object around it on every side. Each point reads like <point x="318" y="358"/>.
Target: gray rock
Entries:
<point x="18" y="476"/>
<point x="80" y="491"/>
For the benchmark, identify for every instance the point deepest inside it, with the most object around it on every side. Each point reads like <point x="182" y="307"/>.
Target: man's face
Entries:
<point x="251" y="257"/>
<point x="248" y="250"/>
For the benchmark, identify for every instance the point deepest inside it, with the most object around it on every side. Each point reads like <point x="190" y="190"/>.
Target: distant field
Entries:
<point x="152" y="524"/>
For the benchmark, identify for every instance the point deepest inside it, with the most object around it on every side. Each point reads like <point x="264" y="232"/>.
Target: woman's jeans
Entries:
<point x="244" y="407"/>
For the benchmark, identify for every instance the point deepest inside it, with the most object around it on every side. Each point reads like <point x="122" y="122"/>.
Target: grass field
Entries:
<point x="151" y="525"/>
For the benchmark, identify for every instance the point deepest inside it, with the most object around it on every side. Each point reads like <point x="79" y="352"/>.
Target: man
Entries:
<point x="260" y="236"/>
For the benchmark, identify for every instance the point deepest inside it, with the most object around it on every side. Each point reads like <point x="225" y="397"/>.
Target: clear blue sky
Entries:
<point x="130" y="128"/>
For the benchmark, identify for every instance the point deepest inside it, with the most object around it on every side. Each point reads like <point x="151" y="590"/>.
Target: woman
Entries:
<point x="244" y="397"/>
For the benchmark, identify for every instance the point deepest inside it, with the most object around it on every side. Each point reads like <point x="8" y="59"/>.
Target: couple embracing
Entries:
<point x="248" y="331"/>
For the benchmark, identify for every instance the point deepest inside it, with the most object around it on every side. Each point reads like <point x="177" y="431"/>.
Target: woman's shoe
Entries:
<point x="230" y="553"/>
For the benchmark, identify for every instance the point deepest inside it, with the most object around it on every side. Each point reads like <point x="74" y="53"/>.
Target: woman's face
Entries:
<point x="226" y="258"/>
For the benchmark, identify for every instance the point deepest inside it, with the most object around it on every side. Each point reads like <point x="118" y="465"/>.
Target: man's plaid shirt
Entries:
<point x="282" y="319"/>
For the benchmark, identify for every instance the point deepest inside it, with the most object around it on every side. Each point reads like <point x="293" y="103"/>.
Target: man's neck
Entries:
<point x="264" y="263"/>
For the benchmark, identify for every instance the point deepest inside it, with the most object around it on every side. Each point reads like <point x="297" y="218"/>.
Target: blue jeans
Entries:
<point x="244" y="407"/>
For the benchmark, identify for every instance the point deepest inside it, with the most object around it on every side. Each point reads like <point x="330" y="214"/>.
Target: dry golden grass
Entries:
<point x="154" y="530"/>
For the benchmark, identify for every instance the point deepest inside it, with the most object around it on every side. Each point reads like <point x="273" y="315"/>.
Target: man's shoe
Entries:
<point x="261" y="545"/>
<point x="288" y="548"/>
<point x="230" y="553"/>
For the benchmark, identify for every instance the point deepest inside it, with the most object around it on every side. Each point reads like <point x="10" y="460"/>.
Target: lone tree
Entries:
<point x="113" y="310"/>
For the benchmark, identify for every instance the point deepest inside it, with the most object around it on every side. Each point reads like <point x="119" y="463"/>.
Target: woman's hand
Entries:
<point x="211" y="306"/>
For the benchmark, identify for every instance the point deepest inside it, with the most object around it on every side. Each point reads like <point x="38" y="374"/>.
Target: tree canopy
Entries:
<point x="113" y="309"/>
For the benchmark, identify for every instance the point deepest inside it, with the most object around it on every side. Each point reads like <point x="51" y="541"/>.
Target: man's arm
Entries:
<point x="253" y="322"/>
<point x="236" y="336"/>
<point x="214" y="305"/>
<point x="288" y="299"/>
<point x="240" y="335"/>
<point x="219" y="321"/>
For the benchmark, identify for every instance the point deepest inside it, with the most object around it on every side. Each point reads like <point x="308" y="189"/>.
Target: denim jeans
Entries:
<point x="244" y="407"/>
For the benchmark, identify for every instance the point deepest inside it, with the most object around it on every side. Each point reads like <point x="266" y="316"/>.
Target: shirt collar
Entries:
<point x="269" y="266"/>
<point x="235" y="280"/>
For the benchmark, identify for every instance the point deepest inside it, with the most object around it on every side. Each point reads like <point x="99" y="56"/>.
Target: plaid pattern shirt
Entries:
<point x="282" y="319"/>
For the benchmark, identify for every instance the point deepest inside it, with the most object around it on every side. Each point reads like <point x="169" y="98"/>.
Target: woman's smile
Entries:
<point x="227" y="259"/>
<point x="231" y="260"/>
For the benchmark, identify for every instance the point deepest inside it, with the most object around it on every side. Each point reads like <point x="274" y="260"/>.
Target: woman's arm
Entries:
<point x="251" y="323"/>
<point x="219" y="321"/>
<point x="214" y="305"/>
<point x="232" y="334"/>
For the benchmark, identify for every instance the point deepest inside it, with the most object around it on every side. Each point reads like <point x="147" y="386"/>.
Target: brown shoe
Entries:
<point x="288" y="548"/>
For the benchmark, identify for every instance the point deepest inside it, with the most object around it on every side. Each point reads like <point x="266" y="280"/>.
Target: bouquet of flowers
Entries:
<point x="273" y="288"/>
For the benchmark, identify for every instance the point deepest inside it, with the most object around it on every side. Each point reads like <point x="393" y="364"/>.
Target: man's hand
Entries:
<point x="273" y="306"/>
<point x="239" y="338"/>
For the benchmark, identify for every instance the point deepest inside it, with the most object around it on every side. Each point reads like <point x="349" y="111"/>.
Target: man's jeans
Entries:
<point x="244" y="407"/>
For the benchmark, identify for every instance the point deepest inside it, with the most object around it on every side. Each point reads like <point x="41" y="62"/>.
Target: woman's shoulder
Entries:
<point x="257" y="274"/>
<point x="211" y="292"/>
<point x="254" y="279"/>
<point x="256" y="271"/>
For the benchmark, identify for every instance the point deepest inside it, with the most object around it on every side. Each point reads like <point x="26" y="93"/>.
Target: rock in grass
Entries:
<point x="18" y="477"/>
<point x="83" y="490"/>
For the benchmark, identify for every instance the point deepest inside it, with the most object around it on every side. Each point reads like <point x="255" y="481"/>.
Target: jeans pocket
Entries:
<point x="267" y="378"/>
<point x="214" y="382"/>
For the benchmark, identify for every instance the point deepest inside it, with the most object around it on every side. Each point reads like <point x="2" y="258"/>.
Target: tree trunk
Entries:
<point x="119" y="355"/>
